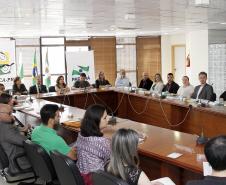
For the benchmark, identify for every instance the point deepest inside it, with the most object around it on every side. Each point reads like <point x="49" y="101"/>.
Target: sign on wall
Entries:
<point x="7" y="62"/>
<point x="80" y="62"/>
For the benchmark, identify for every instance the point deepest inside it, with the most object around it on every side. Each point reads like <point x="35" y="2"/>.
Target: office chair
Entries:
<point x="66" y="169"/>
<point x="41" y="163"/>
<point x="22" y="174"/>
<point x="223" y="95"/>
<point x="52" y="89"/>
<point x="102" y="178"/>
<point x="214" y="97"/>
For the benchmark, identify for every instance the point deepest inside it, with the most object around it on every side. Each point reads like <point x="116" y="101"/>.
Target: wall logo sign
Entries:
<point x="78" y="70"/>
<point x="5" y="65"/>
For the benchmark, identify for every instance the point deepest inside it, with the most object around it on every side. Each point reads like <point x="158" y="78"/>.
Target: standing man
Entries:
<point x="38" y="88"/>
<point x="145" y="83"/>
<point x="204" y="90"/>
<point x="171" y="86"/>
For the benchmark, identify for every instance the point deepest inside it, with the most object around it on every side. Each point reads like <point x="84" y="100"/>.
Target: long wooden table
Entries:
<point x="149" y="110"/>
<point x="153" y="151"/>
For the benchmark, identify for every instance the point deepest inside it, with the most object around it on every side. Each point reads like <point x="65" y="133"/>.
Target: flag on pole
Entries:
<point x="21" y="67"/>
<point x="34" y="70"/>
<point x="47" y="74"/>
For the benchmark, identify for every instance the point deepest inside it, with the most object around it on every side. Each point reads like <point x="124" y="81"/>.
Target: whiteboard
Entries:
<point x="80" y="62"/>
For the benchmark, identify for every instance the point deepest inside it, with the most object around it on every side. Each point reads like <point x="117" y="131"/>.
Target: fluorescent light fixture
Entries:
<point x="224" y="23"/>
<point x="27" y="23"/>
<point x="202" y="2"/>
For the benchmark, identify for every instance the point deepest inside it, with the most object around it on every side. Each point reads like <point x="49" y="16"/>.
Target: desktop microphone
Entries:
<point x="31" y="100"/>
<point x="112" y="120"/>
<point x="201" y="140"/>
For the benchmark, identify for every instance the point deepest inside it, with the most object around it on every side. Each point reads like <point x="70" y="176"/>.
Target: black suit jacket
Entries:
<point x="146" y="84"/>
<point x="33" y="89"/>
<point x="21" y="90"/>
<point x="171" y="88"/>
<point x="100" y="82"/>
<point x="206" y="92"/>
<point x="209" y="180"/>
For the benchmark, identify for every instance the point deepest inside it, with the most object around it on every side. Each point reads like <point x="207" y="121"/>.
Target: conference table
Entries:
<point x="169" y="113"/>
<point x="153" y="151"/>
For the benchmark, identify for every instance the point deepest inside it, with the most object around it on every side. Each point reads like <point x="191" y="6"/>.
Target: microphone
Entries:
<point x="30" y="99"/>
<point x="201" y="140"/>
<point x="112" y="120"/>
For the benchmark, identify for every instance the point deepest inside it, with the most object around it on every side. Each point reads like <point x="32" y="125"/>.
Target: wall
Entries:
<point x="167" y="41"/>
<point x="197" y="46"/>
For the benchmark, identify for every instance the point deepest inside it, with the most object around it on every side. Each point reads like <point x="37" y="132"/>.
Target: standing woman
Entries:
<point x="61" y="86"/>
<point x="158" y="85"/>
<point x="18" y="87"/>
<point x="93" y="150"/>
<point x="124" y="161"/>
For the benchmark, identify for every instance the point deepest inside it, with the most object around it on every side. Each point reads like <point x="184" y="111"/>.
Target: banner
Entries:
<point x="7" y="62"/>
<point x="80" y="62"/>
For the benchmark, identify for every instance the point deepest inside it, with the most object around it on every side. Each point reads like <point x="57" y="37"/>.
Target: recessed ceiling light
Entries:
<point x="223" y="23"/>
<point x="106" y="30"/>
<point x="176" y="28"/>
<point x="27" y="23"/>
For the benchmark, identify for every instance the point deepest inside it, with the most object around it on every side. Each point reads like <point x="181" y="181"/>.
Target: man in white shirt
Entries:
<point x="203" y="91"/>
<point x="186" y="89"/>
<point x="122" y="80"/>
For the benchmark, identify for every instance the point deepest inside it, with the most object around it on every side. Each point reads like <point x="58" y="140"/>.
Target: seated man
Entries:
<point x="38" y="88"/>
<point x="11" y="139"/>
<point x="203" y="91"/>
<point x="82" y="82"/>
<point x="45" y="134"/>
<point x="2" y="88"/>
<point x="145" y="83"/>
<point x="171" y="86"/>
<point x="122" y="80"/>
<point x="216" y="156"/>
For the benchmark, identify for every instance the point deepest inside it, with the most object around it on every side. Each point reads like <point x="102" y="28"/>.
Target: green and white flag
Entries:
<point x="21" y="67"/>
<point x="47" y="73"/>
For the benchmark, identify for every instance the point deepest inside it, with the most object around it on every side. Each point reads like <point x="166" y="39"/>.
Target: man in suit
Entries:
<point x="11" y="139"/>
<point x="38" y="88"/>
<point x="203" y="91"/>
<point x="216" y="156"/>
<point x="145" y="83"/>
<point x="171" y="86"/>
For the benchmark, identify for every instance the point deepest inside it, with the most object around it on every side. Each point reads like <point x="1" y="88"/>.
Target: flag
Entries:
<point x="47" y="74"/>
<point x="34" y="70"/>
<point x="21" y="67"/>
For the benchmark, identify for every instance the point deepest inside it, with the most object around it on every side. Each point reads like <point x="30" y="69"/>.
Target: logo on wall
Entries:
<point x="80" y="69"/>
<point x="5" y="66"/>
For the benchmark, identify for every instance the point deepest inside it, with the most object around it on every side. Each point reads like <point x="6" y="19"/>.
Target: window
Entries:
<point x="126" y="57"/>
<point x="25" y="52"/>
<point x="56" y="57"/>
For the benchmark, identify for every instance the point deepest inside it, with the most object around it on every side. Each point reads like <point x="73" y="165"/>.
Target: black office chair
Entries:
<point x="52" y="89"/>
<point x="223" y="95"/>
<point x="102" y="178"/>
<point x="41" y="163"/>
<point x="66" y="169"/>
<point x="214" y="97"/>
<point x="22" y="174"/>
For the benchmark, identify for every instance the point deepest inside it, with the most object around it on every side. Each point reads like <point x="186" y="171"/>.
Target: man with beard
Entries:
<point x="11" y="140"/>
<point x="46" y="135"/>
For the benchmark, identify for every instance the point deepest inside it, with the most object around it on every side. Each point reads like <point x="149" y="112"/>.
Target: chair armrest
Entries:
<point x="17" y="164"/>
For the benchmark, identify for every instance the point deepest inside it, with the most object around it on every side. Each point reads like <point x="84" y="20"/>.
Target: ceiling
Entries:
<point x="30" y="18"/>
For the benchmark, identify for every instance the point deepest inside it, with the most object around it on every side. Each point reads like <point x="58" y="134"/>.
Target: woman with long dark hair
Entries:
<point x="61" y="86"/>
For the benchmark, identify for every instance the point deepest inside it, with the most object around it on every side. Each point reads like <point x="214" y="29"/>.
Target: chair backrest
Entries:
<point x="40" y="161"/>
<point x="223" y="95"/>
<point x="102" y="178"/>
<point x="52" y="89"/>
<point x="66" y="169"/>
<point x="4" y="161"/>
<point x="214" y="97"/>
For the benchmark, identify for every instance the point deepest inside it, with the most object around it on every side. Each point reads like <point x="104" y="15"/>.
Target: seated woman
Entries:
<point x="101" y="81"/>
<point x="18" y="87"/>
<point x="124" y="161"/>
<point x="158" y="85"/>
<point x="93" y="150"/>
<point x="61" y="87"/>
<point x="186" y="90"/>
